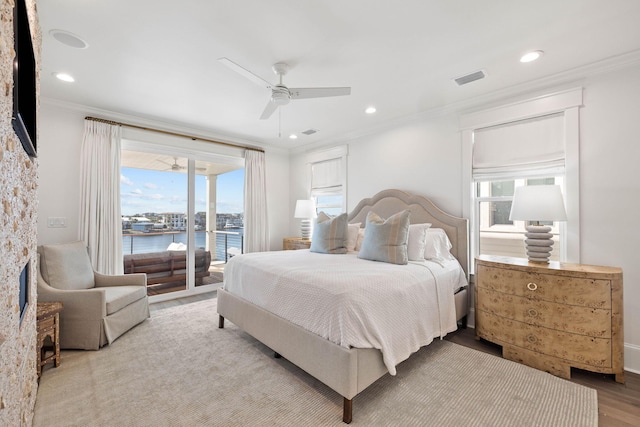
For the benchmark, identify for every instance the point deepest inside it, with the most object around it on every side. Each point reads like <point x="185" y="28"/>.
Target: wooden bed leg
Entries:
<point x="220" y="322"/>
<point x="347" y="411"/>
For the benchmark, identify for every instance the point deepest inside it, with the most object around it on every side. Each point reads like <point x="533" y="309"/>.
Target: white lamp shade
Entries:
<point x="305" y="209"/>
<point x="538" y="203"/>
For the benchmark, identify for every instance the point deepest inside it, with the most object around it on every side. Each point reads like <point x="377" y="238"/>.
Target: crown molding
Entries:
<point x="558" y="82"/>
<point x="158" y="124"/>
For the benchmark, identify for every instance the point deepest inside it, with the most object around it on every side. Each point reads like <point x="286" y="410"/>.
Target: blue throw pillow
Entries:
<point x="330" y="234"/>
<point x="386" y="240"/>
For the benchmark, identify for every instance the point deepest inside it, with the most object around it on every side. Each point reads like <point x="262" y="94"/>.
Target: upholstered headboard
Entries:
<point x="389" y="202"/>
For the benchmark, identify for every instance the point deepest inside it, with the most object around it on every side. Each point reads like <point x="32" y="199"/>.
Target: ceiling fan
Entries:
<point x="175" y="167"/>
<point x="281" y="94"/>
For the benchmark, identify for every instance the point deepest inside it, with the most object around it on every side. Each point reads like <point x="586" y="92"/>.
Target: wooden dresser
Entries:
<point x="293" y="243"/>
<point x="552" y="316"/>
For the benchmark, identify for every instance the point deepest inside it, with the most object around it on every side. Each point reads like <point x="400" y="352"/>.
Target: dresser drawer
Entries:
<point x="576" y="348"/>
<point x="560" y="289"/>
<point x="594" y="322"/>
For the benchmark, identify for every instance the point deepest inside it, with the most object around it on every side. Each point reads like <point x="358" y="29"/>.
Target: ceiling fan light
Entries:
<point x="293" y="136"/>
<point x="280" y="95"/>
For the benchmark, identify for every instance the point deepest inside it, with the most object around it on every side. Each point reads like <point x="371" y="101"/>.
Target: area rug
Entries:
<point x="178" y="369"/>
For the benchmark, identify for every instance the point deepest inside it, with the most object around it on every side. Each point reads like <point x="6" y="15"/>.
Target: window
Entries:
<point x="189" y="204"/>
<point x="531" y="142"/>
<point x="328" y="180"/>
<point x="497" y="235"/>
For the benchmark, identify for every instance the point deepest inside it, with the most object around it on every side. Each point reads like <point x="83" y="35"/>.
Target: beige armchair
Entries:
<point x="97" y="308"/>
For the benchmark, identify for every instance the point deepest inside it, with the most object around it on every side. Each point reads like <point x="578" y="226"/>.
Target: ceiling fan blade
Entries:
<point x="318" y="92"/>
<point x="268" y="110"/>
<point x="164" y="162"/>
<point x="244" y="72"/>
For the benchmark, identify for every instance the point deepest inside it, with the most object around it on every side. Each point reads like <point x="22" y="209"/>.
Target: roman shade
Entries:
<point x="326" y="176"/>
<point x="525" y="147"/>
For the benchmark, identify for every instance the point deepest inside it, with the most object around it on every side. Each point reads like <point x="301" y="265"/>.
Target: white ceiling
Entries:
<point x="157" y="59"/>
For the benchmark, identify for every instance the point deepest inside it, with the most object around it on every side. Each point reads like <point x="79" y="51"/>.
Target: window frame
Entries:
<point x="336" y="153"/>
<point x="568" y="103"/>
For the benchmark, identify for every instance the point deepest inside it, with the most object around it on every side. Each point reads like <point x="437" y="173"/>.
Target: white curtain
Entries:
<point x="256" y="225"/>
<point x="100" y="218"/>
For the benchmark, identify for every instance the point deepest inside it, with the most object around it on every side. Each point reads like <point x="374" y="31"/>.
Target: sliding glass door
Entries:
<point x="175" y="227"/>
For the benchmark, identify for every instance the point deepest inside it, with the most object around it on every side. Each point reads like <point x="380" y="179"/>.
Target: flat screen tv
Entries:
<point x="24" y="80"/>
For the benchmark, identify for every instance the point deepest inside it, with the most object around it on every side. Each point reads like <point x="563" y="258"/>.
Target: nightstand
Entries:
<point x="552" y="316"/>
<point x="293" y="243"/>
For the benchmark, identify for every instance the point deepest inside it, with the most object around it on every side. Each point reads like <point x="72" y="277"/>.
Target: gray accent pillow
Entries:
<point x="330" y="234"/>
<point x="386" y="240"/>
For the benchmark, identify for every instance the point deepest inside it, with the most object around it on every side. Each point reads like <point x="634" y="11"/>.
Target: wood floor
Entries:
<point x="618" y="404"/>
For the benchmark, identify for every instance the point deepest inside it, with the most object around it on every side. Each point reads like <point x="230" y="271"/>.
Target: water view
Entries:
<point x="226" y="244"/>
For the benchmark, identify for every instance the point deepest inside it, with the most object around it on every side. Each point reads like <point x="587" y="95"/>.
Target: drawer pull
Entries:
<point x="532" y="339"/>
<point x="532" y="286"/>
<point x="533" y="312"/>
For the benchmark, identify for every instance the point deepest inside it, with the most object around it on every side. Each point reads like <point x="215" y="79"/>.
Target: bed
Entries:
<point x="347" y="369"/>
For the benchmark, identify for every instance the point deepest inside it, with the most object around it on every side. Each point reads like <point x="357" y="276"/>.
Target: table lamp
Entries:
<point x="306" y="210"/>
<point x="537" y="203"/>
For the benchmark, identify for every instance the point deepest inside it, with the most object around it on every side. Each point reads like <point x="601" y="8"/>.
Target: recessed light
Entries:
<point x="64" y="77"/>
<point x="370" y="110"/>
<point x="531" y="56"/>
<point x="293" y="136"/>
<point x="69" y="39"/>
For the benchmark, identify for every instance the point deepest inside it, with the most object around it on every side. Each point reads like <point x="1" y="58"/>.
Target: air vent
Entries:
<point x="309" y="131"/>
<point x="463" y="80"/>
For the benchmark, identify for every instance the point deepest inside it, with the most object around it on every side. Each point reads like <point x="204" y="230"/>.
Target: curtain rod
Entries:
<point x="166" y="132"/>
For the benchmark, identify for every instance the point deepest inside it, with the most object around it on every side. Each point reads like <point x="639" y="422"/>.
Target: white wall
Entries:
<point x="609" y="190"/>
<point x="419" y="157"/>
<point x="425" y="157"/>
<point x="61" y="130"/>
<point x="60" y="138"/>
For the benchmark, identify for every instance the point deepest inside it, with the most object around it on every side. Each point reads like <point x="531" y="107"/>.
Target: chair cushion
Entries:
<point x="119" y="297"/>
<point x="66" y="266"/>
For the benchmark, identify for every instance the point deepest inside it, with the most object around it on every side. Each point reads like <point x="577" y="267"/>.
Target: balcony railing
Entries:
<point x="227" y="243"/>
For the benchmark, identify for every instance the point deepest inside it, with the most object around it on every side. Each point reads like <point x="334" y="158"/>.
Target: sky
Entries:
<point x="144" y="190"/>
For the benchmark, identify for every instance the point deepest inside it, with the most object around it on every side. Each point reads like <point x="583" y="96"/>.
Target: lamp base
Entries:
<point x="305" y="229"/>
<point x="539" y="243"/>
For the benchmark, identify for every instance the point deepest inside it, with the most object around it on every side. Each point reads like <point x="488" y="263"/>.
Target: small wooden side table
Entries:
<point x="294" y="243"/>
<point x="48" y="325"/>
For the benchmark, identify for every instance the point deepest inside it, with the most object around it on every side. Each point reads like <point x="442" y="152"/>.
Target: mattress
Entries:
<point x="350" y="301"/>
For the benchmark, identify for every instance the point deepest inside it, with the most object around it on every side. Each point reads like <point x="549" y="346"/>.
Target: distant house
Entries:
<point x="142" y="226"/>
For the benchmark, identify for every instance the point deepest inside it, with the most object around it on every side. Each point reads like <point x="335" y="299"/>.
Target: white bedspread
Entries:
<point x="350" y="301"/>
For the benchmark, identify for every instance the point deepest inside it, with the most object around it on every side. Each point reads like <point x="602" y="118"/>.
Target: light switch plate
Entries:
<point x="57" y="222"/>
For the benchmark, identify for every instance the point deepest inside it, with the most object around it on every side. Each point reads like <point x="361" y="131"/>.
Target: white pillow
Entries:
<point x="352" y="236"/>
<point x="359" y="239"/>
<point x="438" y="245"/>
<point x="417" y="241"/>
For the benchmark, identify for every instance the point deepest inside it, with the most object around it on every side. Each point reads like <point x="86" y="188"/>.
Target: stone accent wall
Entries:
<point x="18" y="182"/>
